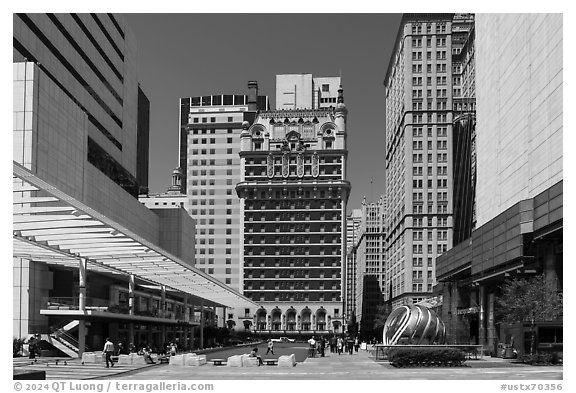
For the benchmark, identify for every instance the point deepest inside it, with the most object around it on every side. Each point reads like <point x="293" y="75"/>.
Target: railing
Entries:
<point x="72" y="303"/>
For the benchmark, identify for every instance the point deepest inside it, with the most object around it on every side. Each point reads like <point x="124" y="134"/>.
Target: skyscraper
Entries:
<point x="353" y="221"/>
<point x="370" y="268"/>
<point x="293" y="200"/>
<point x="209" y="144"/>
<point x="85" y="251"/>
<point x="519" y="188"/>
<point x="420" y="86"/>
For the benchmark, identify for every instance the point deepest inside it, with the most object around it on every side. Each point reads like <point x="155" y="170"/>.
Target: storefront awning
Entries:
<point x="52" y="227"/>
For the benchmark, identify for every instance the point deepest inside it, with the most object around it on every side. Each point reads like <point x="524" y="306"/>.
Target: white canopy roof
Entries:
<point x="52" y="227"/>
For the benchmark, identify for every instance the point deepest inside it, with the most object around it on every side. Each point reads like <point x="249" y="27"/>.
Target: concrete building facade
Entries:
<point x="293" y="194"/>
<point x="370" y="265"/>
<point x="210" y="129"/>
<point x="353" y="221"/>
<point x="519" y="82"/>
<point x="87" y="256"/>
<point x="419" y="172"/>
<point x="519" y="189"/>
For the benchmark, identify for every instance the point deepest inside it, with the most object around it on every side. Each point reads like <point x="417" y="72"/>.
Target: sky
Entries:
<point x="184" y="55"/>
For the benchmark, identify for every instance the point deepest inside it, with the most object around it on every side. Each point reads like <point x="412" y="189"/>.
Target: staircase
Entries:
<point x="64" y="341"/>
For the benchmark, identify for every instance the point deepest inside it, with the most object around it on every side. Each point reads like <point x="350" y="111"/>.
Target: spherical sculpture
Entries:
<point x="414" y="325"/>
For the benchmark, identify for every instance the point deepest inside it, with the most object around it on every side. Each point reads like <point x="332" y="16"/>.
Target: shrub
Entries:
<point x="406" y="357"/>
<point x="17" y="345"/>
<point x="540" y="358"/>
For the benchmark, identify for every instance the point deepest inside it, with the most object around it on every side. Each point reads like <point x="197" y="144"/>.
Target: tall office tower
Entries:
<point x="353" y="221"/>
<point x="210" y="129"/>
<point x="519" y="189"/>
<point x="464" y="131"/>
<point x="294" y="193"/>
<point x="419" y="176"/>
<point x="92" y="59"/>
<point x="370" y="276"/>
<point x="85" y="251"/>
<point x="520" y="149"/>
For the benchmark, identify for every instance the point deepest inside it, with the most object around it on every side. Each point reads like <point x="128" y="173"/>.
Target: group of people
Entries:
<point x="341" y="344"/>
<point x="336" y="344"/>
<point x="145" y="351"/>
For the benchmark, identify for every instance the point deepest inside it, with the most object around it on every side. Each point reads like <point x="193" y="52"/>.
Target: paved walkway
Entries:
<point x="359" y="366"/>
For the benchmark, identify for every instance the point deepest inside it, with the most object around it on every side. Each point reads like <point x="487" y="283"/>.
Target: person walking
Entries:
<point x="333" y="343"/>
<point x="356" y="344"/>
<point x="340" y="345"/>
<point x="108" y="351"/>
<point x="321" y="346"/>
<point x="350" y="344"/>
<point x="32" y="347"/>
<point x="270" y="347"/>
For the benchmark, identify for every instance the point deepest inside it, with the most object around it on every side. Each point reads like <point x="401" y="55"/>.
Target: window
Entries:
<point x="325" y="87"/>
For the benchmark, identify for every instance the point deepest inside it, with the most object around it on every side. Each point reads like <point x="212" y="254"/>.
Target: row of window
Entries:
<point x="441" y="196"/>
<point x="211" y="262"/>
<point x="427" y="221"/>
<point x="440" y="106"/>
<point x="441" y="183"/>
<point x="417" y="262"/>
<point x="203" y="141"/>
<point x="417" y="81"/>
<point x="440" y="248"/>
<point x="210" y="131"/>
<point x="440" y="145"/>
<point x="418" y="288"/>
<point x="418" y="118"/>
<point x="440" y="157"/>
<point x="440" y="28"/>
<point x="440" y="55"/>
<point x="440" y="131"/>
<point x="208" y="151"/>
<point x="211" y="251"/>
<point x="212" y="119"/>
<point x="440" y="170"/>
<point x="440" y="68"/>
<point x="212" y="162"/>
<point x="419" y="235"/>
<point x="440" y="209"/>
<point x="417" y="42"/>
<point x="210" y="201"/>
<point x="418" y="274"/>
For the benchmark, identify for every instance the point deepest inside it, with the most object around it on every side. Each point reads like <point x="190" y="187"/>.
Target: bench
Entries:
<point x="218" y="362"/>
<point x="270" y="362"/>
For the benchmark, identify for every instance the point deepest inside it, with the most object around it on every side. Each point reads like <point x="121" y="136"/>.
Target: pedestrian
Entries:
<point x="333" y="342"/>
<point x="270" y="347"/>
<point x="356" y="344"/>
<point x="32" y="347"/>
<point x="349" y="344"/>
<point x="340" y="345"/>
<point x="321" y="346"/>
<point x="108" y="351"/>
<point x="172" y="349"/>
<point x="312" y="349"/>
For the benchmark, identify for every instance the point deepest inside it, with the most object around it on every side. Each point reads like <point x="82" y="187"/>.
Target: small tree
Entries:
<point x="529" y="300"/>
<point x="382" y="313"/>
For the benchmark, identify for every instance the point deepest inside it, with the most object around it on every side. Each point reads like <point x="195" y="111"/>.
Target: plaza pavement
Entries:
<point x="359" y="366"/>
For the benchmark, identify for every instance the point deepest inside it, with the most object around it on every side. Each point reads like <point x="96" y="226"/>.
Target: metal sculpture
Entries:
<point x="414" y="325"/>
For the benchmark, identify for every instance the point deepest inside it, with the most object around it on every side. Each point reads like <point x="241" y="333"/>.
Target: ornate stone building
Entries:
<point x="293" y="198"/>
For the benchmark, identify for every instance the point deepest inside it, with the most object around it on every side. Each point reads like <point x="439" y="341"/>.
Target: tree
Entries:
<point x="382" y="313"/>
<point x="530" y="300"/>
